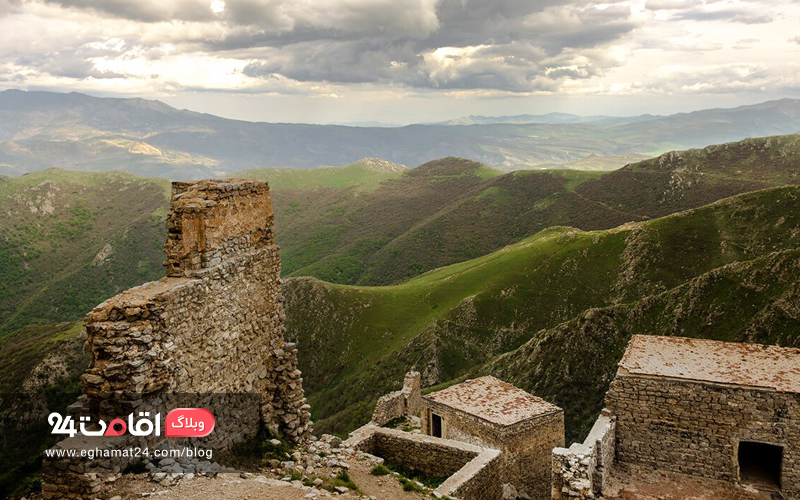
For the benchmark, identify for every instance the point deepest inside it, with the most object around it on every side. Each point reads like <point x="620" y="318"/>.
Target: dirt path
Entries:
<point x="635" y="483"/>
<point x="233" y="486"/>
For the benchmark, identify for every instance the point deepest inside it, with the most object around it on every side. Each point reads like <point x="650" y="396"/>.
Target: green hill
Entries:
<point x="369" y="223"/>
<point x="69" y="240"/>
<point x="451" y="210"/>
<point x="358" y="341"/>
<point x="365" y="175"/>
<point x="573" y="363"/>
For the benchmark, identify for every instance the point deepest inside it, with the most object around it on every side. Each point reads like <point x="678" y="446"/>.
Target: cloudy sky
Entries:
<point x="402" y="61"/>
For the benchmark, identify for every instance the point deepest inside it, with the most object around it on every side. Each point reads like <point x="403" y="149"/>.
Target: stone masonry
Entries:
<point x="407" y="402"/>
<point x="491" y="413"/>
<point x="688" y="405"/>
<point x="213" y="325"/>
<point x="473" y="472"/>
<point x="580" y="471"/>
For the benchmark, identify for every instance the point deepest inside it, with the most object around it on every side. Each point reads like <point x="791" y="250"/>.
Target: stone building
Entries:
<point x="213" y="328"/>
<point x="721" y="410"/>
<point x="494" y="414"/>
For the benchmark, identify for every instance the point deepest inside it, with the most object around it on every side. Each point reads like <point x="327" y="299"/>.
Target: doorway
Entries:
<point x="436" y="425"/>
<point x="760" y="464"/>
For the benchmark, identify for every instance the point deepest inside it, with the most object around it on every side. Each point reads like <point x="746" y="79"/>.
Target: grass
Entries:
<point x="55" y="224"/>
<point x="379" y="470"/>
<point x="358" y="341"/>
<point x="409" y="477"/>
<point x="361" y="176"/>
<point x="341" y="479"/>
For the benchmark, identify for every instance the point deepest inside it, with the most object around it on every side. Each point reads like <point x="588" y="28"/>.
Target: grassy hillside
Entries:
<point x="452" y="210"/>
<point x="683" y="179"/>
<point x="369" y="223"/>
<point x="356" y="342"/>
<point x="365" y="175"/>
<point x="70" y="240"/>
<point x="46" y="362"/>
<point x="573" y="363"/>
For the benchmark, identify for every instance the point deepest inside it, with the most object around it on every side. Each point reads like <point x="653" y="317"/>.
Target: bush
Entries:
<point x="379" y="470"/>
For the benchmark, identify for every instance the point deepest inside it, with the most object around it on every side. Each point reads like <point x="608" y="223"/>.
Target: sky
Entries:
<point x="407" y="61"/>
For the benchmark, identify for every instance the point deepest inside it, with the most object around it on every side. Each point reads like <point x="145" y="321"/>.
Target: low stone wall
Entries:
<point x="474" y="473"/>
<point x="405" y="402"/>
<point x="581" y="471"/>
<point x="695" y="428"/>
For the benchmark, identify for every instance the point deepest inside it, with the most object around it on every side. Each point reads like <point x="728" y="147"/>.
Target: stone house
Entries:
<point x="491" y="413"/>
<point x="720" y="410"/>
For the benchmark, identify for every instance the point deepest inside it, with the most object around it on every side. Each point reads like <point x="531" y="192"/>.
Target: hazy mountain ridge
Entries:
<point x="40" y="130"/>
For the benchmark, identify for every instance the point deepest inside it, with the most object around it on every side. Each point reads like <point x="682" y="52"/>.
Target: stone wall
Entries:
<point x="694" y="428"/>
<point x="403" y="403"/>
<point x="473" y="472"/>
<point x="581" y="471"/>
<point x="526" y="445"/>
<point x="214" y="325"/>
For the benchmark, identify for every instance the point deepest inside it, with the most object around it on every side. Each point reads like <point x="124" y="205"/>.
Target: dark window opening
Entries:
<point x="436" y="425"/>
<point x="760" y="464"/>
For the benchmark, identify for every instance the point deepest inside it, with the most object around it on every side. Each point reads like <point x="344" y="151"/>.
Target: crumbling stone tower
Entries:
<point x="214" y="324"/>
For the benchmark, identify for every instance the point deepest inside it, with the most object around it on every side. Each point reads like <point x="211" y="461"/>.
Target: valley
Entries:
<point x="450" y="281"/>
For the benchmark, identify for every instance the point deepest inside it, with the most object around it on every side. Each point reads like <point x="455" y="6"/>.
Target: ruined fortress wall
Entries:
<point x="526" y="446"/>
<point x="214" y="324"/>
<point x="694" y="428"/>
<point x="403" y="403"/>
<point x="527" y="451"/>
<point x="212" y="330"/>
<point x="581" y="471"/>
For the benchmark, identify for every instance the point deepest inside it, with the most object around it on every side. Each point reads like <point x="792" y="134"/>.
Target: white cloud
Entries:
<point x="457" y="48"/>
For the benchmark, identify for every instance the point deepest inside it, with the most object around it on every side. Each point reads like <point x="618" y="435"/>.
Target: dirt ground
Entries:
<point x="233" y="486"/>
<point x="634" y="483"/>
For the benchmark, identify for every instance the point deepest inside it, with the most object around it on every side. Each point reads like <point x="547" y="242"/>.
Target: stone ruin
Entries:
<point x="407" y="402"/>
<point x="489" y="439"/>
<point x="213" y="326"/>
<point x="723" y="411"/>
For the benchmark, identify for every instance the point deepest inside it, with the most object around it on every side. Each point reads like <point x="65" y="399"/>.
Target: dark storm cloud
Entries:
<point x="514" y="41"/>
<point x="144" y="10"/>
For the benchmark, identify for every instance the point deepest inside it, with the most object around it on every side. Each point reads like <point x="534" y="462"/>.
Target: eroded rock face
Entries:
<point x="214" y="325"/>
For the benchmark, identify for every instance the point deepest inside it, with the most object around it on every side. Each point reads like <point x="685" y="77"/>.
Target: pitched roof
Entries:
<point x="494" y="400"/>
<point x="752" y="365"/>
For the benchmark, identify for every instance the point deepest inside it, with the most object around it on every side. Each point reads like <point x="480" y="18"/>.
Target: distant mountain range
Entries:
<point x="40" y="130"/>
<point x="549" y="118"/>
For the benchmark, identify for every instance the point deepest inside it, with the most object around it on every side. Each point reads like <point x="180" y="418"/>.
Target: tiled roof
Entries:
<point x="493" y="400"/>
<point x="752" y="365"/>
